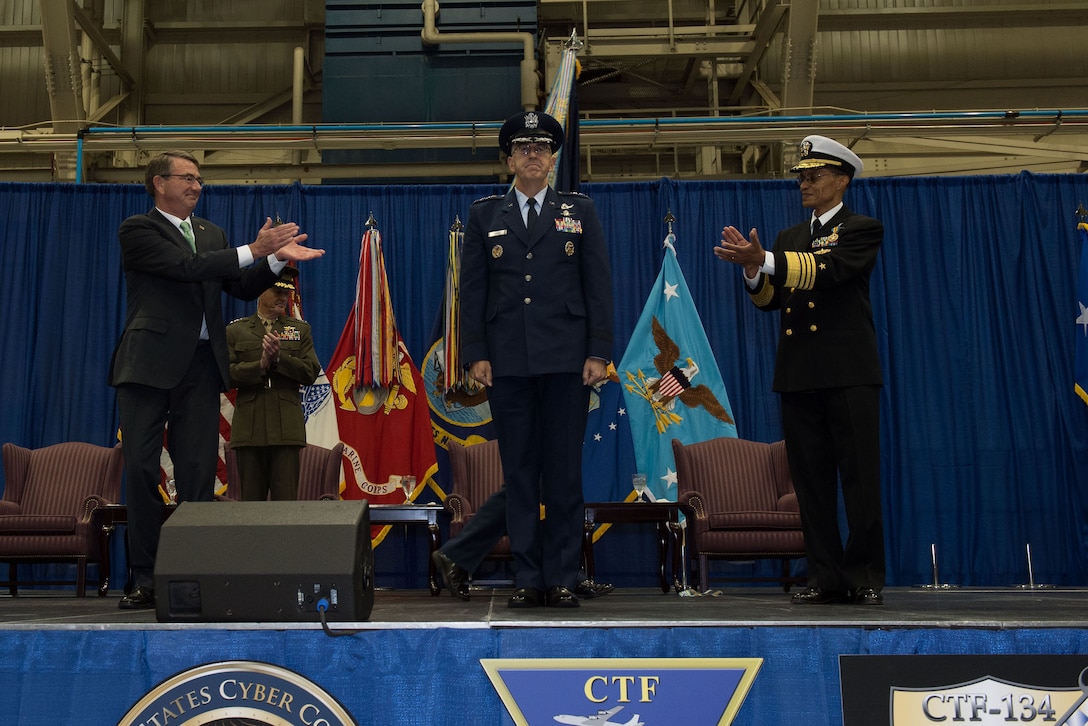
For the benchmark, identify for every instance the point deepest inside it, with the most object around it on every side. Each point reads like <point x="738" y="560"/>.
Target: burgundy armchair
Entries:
<point x="47" y="513"/>
<point x="742" y="500"/>
<point x="476" y="473"/>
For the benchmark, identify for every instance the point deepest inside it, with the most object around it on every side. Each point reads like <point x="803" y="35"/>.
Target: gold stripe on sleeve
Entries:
<point x="763" y="293"/>
<point x="800" y="270"/>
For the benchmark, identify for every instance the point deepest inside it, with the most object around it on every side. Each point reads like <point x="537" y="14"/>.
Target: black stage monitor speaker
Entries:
<point x="265" y="562"/>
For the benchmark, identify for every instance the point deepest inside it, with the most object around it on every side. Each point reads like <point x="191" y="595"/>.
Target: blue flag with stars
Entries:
<point x="671" y="380"/>
<point x="1081" y="369"/>
<point x="608" y="456"/>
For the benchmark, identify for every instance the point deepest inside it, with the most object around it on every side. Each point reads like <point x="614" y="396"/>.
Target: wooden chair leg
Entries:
<point x="81" y="577"/>
<point x="704" y="576"/>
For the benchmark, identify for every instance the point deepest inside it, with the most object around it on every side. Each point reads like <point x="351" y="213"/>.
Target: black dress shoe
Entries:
<point x="561" y="597"/>
<point x="453" y="575"/>
<point x="142" y="598"/>
<point x="526" y="597"/>
<point x="867" y="596"/>
<point x="590" y="589"/>
<point x="816" y="596"/>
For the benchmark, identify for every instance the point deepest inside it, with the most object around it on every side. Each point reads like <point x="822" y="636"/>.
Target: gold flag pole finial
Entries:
<point x="457" y="226"/>
<point x="371" y="223"/>
<point x="1082" y="213"/>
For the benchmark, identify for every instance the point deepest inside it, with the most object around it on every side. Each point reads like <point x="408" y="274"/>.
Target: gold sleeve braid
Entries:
<point x="800" y="270"/>
<point x="762" y="295"/>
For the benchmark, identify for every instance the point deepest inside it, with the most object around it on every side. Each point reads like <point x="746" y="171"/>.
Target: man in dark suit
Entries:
<point x="171" y="362"/>
<point x="271" y="355"/>
<point x="827" y="371"/>
<point x="536" y="320"/>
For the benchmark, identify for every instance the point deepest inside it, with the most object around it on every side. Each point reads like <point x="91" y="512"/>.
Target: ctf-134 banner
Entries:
<point x="975" y="690"/>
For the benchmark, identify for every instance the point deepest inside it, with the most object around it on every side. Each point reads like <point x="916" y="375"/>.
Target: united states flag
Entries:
<point x="166" y="465"/>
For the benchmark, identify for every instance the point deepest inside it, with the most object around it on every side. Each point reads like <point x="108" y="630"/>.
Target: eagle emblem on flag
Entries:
<point x="674" y="383"/>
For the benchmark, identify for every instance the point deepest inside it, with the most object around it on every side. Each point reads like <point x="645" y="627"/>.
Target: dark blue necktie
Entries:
<point x="530" y="221"/>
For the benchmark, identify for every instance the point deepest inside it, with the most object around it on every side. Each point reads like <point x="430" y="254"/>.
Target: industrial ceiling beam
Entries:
<point x="63" y="78"/>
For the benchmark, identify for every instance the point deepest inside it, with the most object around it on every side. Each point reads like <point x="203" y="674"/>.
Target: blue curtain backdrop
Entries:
<point x="985" y="444"/>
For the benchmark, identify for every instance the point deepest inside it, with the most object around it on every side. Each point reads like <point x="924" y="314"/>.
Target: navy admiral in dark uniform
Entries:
<point x="827" y="370"/>
<point x="536" y="320"/>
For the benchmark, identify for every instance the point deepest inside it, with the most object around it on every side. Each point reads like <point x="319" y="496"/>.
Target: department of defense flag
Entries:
<point x="671" y="380"/>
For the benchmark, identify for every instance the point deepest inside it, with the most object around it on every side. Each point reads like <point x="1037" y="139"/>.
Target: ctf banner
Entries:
<point x="671" y="380"/>
<point x="980" y="690"/>
<point x="623" y="691"/>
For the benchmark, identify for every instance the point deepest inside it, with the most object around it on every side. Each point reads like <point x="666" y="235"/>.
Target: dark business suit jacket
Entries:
<point x="268" y="409"/>
<point x="169" y="290"/>
<point x="826" y="334"/>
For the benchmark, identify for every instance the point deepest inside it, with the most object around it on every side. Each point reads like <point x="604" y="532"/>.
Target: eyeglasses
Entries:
<point x="187" y="178"/>
<point x="811" y="177"/>
<point x="527" y="149"/>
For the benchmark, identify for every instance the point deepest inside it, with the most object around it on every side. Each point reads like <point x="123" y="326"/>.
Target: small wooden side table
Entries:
<point x="413" y="514"/>
<point x="109" y="516"/>
<point x="666" y="515"/>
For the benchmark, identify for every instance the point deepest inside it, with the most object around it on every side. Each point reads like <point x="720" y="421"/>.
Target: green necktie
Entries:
<point x="187" y="231"/>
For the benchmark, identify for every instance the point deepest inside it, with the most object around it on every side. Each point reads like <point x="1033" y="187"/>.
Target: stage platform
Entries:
<point x="739" y="607"/>
<point x="416" y="660"/>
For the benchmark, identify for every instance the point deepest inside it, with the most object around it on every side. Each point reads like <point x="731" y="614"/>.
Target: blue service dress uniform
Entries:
<point x="536" y="304"/>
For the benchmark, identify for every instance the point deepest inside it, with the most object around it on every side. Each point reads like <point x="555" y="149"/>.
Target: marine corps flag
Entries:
<point x="381" y="406"/>
<point x="1081" y="369"/>
<point x="671" y="380"/>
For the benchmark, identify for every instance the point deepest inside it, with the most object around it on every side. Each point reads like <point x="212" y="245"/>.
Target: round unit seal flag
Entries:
<point x="238" y="692"/>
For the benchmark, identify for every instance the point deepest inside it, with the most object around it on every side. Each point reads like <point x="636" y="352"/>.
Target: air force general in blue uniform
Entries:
<point x="536" y="317"/>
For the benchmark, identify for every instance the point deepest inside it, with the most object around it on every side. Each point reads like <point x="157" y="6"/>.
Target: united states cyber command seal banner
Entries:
<point x="623" y="691"/>
<point x="237" y="692"/>
<point x="982" y="690"/>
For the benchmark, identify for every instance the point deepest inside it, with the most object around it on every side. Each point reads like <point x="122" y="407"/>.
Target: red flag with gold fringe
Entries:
<point x="379" y="394"/>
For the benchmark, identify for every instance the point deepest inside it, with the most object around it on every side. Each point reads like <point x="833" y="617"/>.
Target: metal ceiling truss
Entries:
<point x="662" y="49"/>
<point x="1048" y="136"/>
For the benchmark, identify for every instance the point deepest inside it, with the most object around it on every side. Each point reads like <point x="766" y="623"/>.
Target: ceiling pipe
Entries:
<point x="297" y="91"/>
<point x="1032" y="124"/>
<point x="530" y="99"/>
